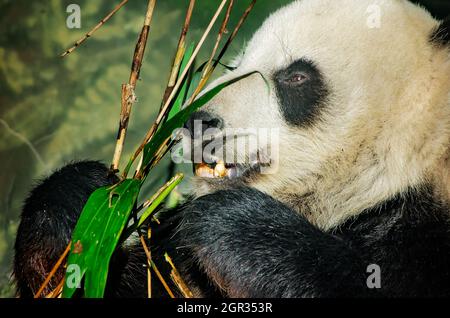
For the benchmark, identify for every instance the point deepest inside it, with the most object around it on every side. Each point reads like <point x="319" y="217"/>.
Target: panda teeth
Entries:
<point x="220" y="170"/>
<point x="203" y="170"/>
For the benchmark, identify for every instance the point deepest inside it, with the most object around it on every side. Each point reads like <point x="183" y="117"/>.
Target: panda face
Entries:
<point x="359" y="96"/>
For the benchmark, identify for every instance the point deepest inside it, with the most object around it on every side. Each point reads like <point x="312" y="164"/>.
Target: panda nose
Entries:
<point x="200" y="121"/>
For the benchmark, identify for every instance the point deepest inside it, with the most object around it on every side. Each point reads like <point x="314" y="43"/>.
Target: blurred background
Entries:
<point x="53" y="110"/>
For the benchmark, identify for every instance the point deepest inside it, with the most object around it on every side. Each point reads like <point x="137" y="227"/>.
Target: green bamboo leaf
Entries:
<point x="179" y="119"/>
<point x="181" y="96"/>
<point x="173" y="200"/>
<point x="160" y="196"/>
<point x="165" y="191"/>
<point x="227" y="67"/>
<point x="195" y="81"/>
<point x="96" y="235"/>
<point x="187" y="90"/>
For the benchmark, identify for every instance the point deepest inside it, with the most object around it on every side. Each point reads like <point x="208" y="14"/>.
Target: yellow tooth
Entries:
<point x="220" y="170"/>
<point x="204" y="171"/>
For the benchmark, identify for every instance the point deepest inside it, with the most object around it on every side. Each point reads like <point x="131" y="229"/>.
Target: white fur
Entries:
<point x="386" y="125"/>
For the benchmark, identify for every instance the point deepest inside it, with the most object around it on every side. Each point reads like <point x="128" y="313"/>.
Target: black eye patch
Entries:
<point x="301" y="91"/>
<point x="441" y="35"/>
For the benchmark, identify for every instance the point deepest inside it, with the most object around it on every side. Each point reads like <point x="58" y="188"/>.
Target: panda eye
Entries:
<point x="301" y="91"/>
<point x="296" y="79"/>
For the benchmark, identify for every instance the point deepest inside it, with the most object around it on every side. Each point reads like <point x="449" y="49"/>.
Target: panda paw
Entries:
<point x="225" y="218"/>
<point x="251" y="245"/>
<point x="238" y="237"/>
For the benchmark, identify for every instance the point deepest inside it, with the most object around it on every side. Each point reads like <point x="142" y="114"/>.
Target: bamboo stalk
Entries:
<point x="205" y="77"/>
<point x="156" y="220"/>
<point x="208" y="70"/>
<point x="165" y="108"/>
<point x="172" y="180"/>
<point x="160" y="153"/>
<point x="176" y="278"/>
<point x="222" y="30"/>
<point x="181" y="48"/>
<point x="189" y="64"/>
<point x="235" y="32"/>
<point x="149" y="202"/>
<point x="179" y="54"/>
<point x="56" y="293"/>
<point x="155" y="269"/>
<point x="209" y="67"/>
<point x="53" y="271"/>
<point x="128" y="95"/>
<point x="95" y="28"/>
<point x="149" y="275"/>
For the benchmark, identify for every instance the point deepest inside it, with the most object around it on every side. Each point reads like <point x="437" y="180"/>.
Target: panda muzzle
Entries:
<point x="222" y="170"/>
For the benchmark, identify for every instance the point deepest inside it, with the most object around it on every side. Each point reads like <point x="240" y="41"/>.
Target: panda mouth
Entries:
<point x="226" y="171"/>
<point x="217" y="170"/>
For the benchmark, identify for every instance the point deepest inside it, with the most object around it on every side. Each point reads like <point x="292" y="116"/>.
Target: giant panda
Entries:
<point x="362" y="182"/>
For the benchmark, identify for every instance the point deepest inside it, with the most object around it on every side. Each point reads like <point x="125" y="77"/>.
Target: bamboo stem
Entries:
<point x="155" y="269"/>
<point x="179" y="54"/>
<point x="205" y="76"/>
<point x="208" y="67"/>
<point x="181" y="48"/>
<point x="149" y="275"/>
<point x="56" y="293"/>
<point x="176" y="277"/>
<point x="95" y="28"/>
<point x="53" y="271"/>
<point x="235" y="32"/>
<point x="189" y="64"/>
<point x="221" y="31"/>
<point x="165" y="108"/>
<point x="128" y="95"/>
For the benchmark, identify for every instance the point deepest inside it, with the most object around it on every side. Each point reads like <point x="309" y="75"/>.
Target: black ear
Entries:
<point x="441" y="35"/>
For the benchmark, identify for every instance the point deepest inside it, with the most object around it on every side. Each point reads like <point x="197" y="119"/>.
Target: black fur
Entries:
<point x="441" y="35"/>
<point x="409" y="238"/>
<point x="300" y="101"/>
<point x="241" y="242"/>
<point x="254" y="246"/>
<point x="205" y="121"/>
<point x="48" y="217"/>
<point x="128" y="271"/>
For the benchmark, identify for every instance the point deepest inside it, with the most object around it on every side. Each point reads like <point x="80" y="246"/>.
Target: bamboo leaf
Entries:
<point x="165" y="191"/>
<point x="195" y="81"/>
<point x="179" y="119"/>
<point x="154" y="202"/>
<point x="96" y="235"/>
<point x="181" y="96"/>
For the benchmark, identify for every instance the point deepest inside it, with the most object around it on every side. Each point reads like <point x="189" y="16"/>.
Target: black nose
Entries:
<point x="201" y="121"/>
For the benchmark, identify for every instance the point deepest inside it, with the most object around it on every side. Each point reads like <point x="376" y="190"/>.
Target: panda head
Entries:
<point x="358" y="92"/>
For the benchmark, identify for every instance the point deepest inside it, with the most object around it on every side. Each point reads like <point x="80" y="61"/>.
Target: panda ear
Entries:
<point x="441" y="35"/>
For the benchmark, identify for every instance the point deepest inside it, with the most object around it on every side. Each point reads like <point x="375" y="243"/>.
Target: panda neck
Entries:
<point x="417" y="204"/>
<point x="328" y="214"/>
<point x="441" y="177"/>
